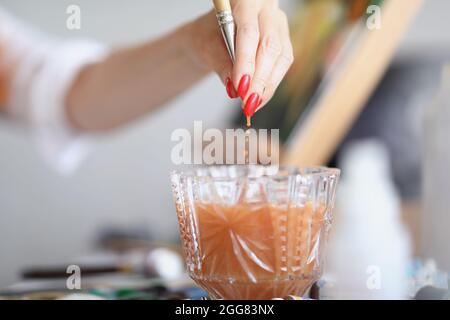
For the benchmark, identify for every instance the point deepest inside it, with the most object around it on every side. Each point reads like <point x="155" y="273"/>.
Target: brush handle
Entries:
<point x="222" y="5"/>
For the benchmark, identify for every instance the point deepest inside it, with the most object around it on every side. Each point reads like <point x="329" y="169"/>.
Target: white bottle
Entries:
<point x="369" y="249"/>
<point x="435" y="224"/>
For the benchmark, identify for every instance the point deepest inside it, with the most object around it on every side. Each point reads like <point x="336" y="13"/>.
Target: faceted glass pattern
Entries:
<point x="254" y="232"/>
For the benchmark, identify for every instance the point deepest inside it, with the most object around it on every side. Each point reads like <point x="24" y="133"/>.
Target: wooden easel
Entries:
<point x="348" y="90"/>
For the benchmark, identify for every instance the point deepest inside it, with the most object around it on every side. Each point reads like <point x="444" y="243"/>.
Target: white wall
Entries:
<point x="47" y="218"/>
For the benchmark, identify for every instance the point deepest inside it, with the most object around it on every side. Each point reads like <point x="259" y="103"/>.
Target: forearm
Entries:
<point x="133" y="82"/>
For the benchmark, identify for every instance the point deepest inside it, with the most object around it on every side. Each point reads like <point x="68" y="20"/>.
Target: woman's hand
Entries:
<point x="133" y="81"/>
<point x="263" y="51"/>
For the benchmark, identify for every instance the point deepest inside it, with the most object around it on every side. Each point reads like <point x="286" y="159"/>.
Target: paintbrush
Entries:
<point x="227" y="26"/>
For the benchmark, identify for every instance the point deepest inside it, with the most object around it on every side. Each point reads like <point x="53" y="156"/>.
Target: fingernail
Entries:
<point x="230" y="89"/>
<point x="251" y="104"/>
<point x="244" y="85"/>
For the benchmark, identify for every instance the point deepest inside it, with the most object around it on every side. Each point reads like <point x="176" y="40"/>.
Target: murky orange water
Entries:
<point x="251" y="251"/>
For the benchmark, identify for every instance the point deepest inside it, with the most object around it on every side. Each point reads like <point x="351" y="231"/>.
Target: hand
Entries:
<point x="263" y="51"/>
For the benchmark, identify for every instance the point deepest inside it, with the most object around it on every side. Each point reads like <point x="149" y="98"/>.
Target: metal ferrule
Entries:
<point x="227" y="26"/>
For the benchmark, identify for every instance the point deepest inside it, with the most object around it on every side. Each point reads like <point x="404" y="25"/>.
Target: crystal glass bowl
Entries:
<point x="254" y="232"/>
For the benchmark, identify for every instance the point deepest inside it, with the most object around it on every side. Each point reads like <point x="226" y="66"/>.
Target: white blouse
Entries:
<point x="45" y="69"/>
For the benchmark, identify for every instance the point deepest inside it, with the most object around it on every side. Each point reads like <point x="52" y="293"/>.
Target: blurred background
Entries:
<point x="46" y="218"/>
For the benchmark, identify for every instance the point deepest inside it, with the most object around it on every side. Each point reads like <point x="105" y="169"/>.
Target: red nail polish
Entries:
<point x="244" y="85"/>
<point x="230" y="89"/>
<point x="259" y="104"/>
<point x="251" y="104"/>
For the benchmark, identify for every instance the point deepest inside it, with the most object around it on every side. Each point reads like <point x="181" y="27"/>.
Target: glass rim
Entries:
<point x="282" y="172"/>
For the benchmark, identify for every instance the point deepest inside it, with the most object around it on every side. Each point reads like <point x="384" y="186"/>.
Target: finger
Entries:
<point x="270" y="48"/>
<point x="247" y="40"/>
<point x="214" y="54"/>
<point x="283" y="62"/>
<point x="209" y="48"/>
<point x="223" y="67"/>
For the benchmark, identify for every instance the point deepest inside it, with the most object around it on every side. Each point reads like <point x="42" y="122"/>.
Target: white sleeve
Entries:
<point x="44" y="71"/>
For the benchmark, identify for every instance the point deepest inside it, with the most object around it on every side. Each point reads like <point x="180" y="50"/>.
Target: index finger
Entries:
<point x="247" y="41"/>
